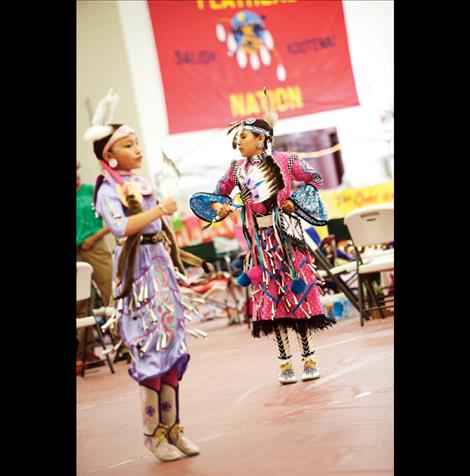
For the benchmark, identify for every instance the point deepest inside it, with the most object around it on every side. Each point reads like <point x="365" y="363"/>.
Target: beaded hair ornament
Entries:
<point x="247" y="124"/>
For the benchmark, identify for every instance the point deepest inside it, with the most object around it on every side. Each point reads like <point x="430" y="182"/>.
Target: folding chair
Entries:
<point x="368" y="226"/>
<point x="84" y="272"/>
<point x="340" y="232"/>
<point x="311" y="239"/>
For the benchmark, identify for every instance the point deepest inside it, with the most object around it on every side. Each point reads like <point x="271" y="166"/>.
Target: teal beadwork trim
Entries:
<point x="304" y="296"/>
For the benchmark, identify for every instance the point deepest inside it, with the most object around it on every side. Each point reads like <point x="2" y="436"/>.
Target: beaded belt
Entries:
<point x="265" y="221"/>
<point x="146" y="238"/>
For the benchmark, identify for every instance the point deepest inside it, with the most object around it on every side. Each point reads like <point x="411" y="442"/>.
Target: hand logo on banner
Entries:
<point x="248" y="37"/>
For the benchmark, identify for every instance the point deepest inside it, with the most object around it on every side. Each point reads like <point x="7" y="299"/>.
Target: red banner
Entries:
<point x="217" y="55"/>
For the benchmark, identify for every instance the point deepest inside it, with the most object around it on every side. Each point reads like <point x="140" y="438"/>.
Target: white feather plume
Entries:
<point x="271" y="118"/>
<point x="103" y="115"/>
<point x="105" y="109"/>
<point x="97" y="132"/>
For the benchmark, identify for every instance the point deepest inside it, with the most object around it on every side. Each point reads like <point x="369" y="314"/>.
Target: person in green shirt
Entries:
<point x="91" y="247"/>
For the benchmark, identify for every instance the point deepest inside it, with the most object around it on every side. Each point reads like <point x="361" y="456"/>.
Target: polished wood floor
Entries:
<point x="244" y="421"/>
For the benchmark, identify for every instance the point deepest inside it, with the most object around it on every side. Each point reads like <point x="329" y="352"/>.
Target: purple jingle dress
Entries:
<point x="151" y="319"/>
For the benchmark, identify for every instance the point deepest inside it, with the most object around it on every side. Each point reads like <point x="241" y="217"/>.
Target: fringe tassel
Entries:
<point x="316" y="323"/>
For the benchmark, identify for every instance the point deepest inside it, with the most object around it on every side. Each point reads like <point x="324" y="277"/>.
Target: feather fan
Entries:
<point x="168" y="178"/>
<point x="262" y="182"/>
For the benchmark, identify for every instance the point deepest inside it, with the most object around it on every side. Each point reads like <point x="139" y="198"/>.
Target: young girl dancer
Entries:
<point x="279" y="268"/>
<point x="147" y="298"/>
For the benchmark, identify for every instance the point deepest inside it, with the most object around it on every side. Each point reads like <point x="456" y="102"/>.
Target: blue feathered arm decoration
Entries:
<point x="200" y="204"/>
<point x="309" y="205"/>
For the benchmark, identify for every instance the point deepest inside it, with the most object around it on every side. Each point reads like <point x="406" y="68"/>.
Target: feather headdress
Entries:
<point x="104" y="113"/>
<point x="270" y="117"/>
<point x="248" y="125"/>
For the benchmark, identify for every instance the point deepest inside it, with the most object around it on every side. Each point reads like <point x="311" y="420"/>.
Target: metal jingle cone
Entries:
<point x="153" y="317"/>
<point x="192" y="332"/>
<point x="146" y="290"/>
<point x="158" y="348"/>
<point x="183" y="347"/>
<point x="136" y="300"/>
<point x="109" y="323"/>
<point x="144" y="324"/>
<point x="165" y="341"/>
<point x="201" y="333"/>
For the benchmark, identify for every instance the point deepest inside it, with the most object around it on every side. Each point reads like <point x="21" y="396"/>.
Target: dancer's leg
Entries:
<point x="155" y="430"/>
<point x="286" y="372"/>
<point x="169" y="411"/>
<point x="310" y="369"/>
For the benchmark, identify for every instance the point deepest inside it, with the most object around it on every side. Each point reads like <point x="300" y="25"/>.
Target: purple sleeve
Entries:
<point x="302" y="171"/>
<point x="226" y="184"/>
<point x="109" y="206"/>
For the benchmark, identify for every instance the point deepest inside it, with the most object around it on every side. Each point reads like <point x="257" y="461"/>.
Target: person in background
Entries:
<point x="92" y="249"/>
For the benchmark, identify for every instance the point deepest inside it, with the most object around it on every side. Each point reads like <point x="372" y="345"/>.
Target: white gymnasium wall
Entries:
<point x="132" y="69"/>
<point x="101" y="64"/>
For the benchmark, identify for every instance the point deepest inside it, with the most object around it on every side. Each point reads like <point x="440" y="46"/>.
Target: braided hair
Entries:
<point x="130" y="247"/>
